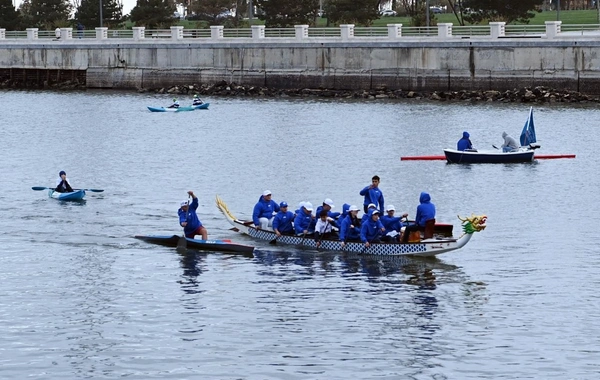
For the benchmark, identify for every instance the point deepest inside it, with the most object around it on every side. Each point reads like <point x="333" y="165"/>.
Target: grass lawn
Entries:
<point x="589" y="16"/>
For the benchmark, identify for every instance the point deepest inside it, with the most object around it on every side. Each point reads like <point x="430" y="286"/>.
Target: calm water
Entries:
<point x="80" y="298"/>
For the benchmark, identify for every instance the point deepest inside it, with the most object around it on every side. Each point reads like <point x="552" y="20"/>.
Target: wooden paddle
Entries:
<point x="182" y="243"/>
<point x="495" y="147"/>
<point x="38" y="188"/>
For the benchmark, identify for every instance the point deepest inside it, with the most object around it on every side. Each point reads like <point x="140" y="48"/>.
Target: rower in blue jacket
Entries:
<point x="350" y="226"/>
<point x="303" y="220"/>
<point x="371" y="229"/>
<point x="328" y="205"/>
<point x="282" y="222"/>
<point x="264" y="209"/>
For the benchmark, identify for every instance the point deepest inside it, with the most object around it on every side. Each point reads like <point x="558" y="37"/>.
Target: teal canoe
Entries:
<point x="202" y="106"/>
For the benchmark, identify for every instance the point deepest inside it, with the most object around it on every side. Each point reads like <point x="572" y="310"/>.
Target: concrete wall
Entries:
<point x="467" y="64"/>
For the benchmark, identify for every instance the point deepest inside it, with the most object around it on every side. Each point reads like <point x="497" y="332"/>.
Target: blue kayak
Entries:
<point x="180" y="109"/>
<point x="76" y="195"/>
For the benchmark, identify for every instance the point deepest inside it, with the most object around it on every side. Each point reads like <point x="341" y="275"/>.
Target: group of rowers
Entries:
<point x="345" y="226"/>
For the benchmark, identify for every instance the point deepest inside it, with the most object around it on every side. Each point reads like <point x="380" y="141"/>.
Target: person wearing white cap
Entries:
<point x="303" y="219"/>
<point x="350" y="226"/>
<point x="373" y="194"/>
<point x="391" y="223"/>
<point x="188" y="219"/>
<point x="371" y="229"/>
<point x="370" y="207"/>
<point x="264" y="209"/>
<point x="327" y="206"/>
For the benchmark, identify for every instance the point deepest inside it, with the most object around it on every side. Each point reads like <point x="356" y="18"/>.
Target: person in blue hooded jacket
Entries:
<point x="464" y="143"/>
<point x="371" y="229"/>
<point x="350" y="226"/>
<point x="264" y="209"/>
<point x="373" y="194"/>
<point x="282" y="222"/>
<point x="304" y="219"/>
<point x="188" y="219"/>
<point x="425" y="212"/>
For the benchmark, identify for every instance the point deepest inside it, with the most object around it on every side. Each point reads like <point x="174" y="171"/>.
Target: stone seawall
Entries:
<point x="424" y="65"/>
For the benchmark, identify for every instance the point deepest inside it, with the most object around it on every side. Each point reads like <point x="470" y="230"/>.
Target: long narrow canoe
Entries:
<point x="204" y="245"/>
<point x="202" y="106"/>
<point x="76" y="195"/>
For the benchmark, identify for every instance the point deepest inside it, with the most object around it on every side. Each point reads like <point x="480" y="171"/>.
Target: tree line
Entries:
<point x="50" y="14"/>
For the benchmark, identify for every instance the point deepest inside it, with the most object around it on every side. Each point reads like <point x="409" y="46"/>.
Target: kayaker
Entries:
<point x="175" y="103"/>
<point x="188" y="219"/>
<point x="510" y="144"/>
<point x="425" y="212"/>
<point x="62" y="184"/>
<point x="373" y="194"/>
<point x="263" y="212"/>
<point x="197" y="101"/>
<point x="464" y="143"/>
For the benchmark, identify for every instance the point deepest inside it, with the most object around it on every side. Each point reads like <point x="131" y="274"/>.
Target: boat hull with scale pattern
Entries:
<point x="428" y="247"/>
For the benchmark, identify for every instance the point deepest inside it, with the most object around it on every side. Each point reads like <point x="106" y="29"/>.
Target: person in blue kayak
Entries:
<point x="510" y="144"/>
<point x="371" y="229"/>
<point x="62" y="183"/>
<point x="188" y="219"/>
<point x="175" y="103"/>
<point x="373" y="194"/>
<point x="425" y="212"/>
<point x="282" y="222"/>
<point x="264" y="209"/>
<point x="464" y="143"/>
<point x="197" y="101"/>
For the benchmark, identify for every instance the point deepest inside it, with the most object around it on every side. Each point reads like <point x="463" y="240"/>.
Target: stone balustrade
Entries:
<point x="347" y="32"/>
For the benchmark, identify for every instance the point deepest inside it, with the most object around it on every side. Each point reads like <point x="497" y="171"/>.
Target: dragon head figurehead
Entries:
<point x="473" y="223"/>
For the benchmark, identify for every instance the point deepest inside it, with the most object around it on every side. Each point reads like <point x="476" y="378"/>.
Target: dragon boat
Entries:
<point x="426" y="247"/>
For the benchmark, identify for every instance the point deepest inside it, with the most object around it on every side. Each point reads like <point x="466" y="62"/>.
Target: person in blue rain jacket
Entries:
<point x="188" y="219"/>
<point x="263" y="212"/>
<point x="425" y="212"/>
<point x="373" y="194"/>
<point x="371" y="229"/>
<point x="282" y="222"/>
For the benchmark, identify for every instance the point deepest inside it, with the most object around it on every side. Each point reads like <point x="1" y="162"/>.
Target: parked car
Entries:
<point x="436" y="9"/>
<point x="388" y="13"/>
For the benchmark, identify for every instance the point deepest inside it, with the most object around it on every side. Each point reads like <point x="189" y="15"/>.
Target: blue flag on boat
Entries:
<point x="528" y="133"/>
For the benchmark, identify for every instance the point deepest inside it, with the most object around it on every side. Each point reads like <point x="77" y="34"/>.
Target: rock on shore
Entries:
<point x="523" y="95"/>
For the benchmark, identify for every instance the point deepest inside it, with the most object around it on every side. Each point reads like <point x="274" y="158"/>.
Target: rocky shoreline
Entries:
<point x="523" y="95"/>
